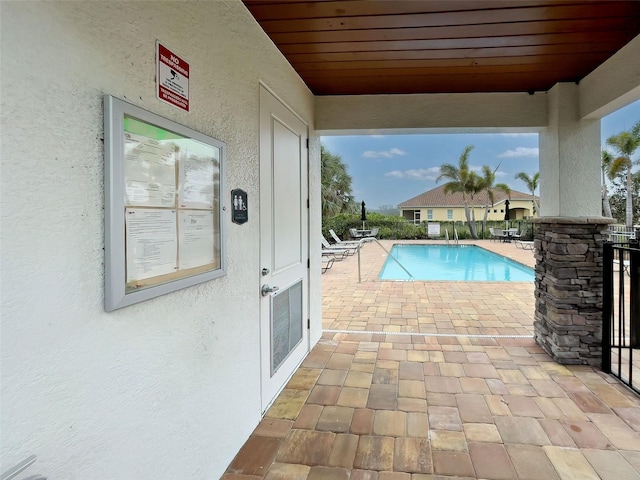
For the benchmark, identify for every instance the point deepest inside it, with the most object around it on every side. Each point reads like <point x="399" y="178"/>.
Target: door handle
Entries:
<point x="266" y="289"/>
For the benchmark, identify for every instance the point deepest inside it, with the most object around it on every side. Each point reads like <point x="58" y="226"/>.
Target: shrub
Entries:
<point x="395" y="227"/>
<point x="390" y="226"/>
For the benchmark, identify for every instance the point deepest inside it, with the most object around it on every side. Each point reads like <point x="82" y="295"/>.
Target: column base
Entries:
<point x="568" y="288"/>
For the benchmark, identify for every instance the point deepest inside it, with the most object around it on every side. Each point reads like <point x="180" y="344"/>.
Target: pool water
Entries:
<point x="467" y="263"/>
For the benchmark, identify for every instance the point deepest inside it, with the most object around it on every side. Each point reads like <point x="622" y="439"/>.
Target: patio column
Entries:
<point x="569" y="238"/>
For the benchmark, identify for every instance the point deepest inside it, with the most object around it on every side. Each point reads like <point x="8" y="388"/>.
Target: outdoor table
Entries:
<point x="363" y="233"/>
<point x="509" y="234"/>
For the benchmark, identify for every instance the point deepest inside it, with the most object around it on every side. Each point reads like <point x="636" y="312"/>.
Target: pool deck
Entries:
<point x="439" y="380"/>
<point x="481" y="308"/>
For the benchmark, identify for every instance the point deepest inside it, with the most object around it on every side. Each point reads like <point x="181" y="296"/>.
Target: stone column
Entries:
<point x="568" y="288"/>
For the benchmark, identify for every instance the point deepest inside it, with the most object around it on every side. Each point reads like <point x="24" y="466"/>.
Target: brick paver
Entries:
<point x="434" y="380"/>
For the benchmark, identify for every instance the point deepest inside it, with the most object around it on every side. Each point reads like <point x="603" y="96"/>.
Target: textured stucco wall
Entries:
<point x="164" y="389"/>
<point x="569" y="158"/>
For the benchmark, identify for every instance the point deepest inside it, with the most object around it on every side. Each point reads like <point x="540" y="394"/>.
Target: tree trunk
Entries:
<point x="472" y="225"/>
<point x="606" y="206"/>
<point x="484" y="220"/>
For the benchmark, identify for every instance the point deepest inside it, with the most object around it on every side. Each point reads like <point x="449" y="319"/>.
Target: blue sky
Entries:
<point x="389" y="169"/>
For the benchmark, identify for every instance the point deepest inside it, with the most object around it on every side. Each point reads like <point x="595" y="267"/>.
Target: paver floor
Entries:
<point x="439" y="380"/>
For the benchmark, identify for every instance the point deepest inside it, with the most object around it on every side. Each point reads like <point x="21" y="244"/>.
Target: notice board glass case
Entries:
<point x="164" y="228"/>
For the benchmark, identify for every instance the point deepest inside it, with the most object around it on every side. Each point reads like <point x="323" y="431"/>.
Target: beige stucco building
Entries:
<point x="437" y="206"/>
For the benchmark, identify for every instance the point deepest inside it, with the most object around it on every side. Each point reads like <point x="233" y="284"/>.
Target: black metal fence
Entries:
<point x="621" y="312"/>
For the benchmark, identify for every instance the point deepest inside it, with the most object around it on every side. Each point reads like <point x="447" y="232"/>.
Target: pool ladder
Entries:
<point x="388" y="253"/>
<point x="455" y="235"/>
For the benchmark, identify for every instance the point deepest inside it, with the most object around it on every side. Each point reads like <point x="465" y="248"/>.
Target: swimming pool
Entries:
<point x="467" y="263"/>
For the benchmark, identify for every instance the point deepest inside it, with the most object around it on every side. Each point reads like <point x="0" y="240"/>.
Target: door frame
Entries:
<point x="267" y="395"/>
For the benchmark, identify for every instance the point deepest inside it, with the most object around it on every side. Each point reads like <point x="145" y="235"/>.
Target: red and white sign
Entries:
<point x="172" y="78"/>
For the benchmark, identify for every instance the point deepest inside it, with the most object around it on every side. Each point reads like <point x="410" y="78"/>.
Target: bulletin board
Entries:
<point x="164" y="228"/>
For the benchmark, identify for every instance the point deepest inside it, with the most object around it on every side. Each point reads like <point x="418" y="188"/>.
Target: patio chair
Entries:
<point x="373" y="234"/>
<point x="351" y="249"/>
<point x="342" y="242"/>
<point x="354" y="233"/>
<point x="625" y="265"/>
<point x="499" y="234"/>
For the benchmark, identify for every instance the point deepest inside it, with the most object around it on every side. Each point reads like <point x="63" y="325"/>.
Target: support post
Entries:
<point x="568" y="288"/>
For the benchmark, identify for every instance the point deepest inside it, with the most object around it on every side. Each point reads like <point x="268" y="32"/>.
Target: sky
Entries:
<point x="389" y="169"/>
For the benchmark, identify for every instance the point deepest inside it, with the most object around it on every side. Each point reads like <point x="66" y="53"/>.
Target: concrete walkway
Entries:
<point x="435" y="380"/>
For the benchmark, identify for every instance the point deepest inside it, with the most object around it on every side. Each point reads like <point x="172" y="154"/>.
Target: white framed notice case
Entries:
<point x="164" y="229"/>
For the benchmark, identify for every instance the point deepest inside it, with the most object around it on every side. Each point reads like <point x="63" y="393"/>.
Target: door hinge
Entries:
<point x="309" y="323"/>
<point x="307" y="203"/>
<point x="308" y="263"/>
<point x="307" y="143"/>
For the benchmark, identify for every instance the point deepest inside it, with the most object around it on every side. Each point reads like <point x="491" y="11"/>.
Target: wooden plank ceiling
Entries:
<point x="445" y="46"/>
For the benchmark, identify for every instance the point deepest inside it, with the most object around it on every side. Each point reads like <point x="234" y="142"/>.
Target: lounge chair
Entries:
<point x="327" y="262"/>
<point x="351" y="249"/>
<point x="335" y="253"/>
<point x="523" y="244"/>
<point x="342" y="242"/>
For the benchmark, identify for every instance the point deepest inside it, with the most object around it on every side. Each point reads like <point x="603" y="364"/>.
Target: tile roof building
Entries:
<point x="436" y="205"/>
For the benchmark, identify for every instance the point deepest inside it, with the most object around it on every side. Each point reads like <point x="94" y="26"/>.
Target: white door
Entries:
<point x="284" y="248"/>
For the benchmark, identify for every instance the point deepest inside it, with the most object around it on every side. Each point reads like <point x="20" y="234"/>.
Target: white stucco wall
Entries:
<point x="613" y="84"/>
<point x="431" y="113"/>
<point x="164" y="389"/>
<point x="569" y="158"/>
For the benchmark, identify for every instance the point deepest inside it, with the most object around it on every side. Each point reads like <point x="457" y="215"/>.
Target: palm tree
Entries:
<point x="487" y="183"/>
<point x="625" y="144"/>
<point x="532" y="185"/>
<point x="464" y="181"/>
<point x="335" y="185"/>
<point x="607" y="160"/>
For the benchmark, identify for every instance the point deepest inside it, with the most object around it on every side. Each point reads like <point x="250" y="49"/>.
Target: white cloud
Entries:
<point x="416" y="173"/>
<point x="520" y="152"/>
<point x="392" y="152"/>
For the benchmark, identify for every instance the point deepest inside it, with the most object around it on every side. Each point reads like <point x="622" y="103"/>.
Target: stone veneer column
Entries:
<point x="568" y="288"/>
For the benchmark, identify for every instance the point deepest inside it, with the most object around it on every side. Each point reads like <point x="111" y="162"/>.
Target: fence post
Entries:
<point x="634" y="292"/>
<point x="607" y="304"/>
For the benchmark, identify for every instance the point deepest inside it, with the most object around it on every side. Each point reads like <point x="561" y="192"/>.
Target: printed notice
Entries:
<point x="152" y="243"/>
<point x="196" y="238"/>
<point x="149" y="171"/>
<point x="172" y="78"/>
<point x="198" y="180"/>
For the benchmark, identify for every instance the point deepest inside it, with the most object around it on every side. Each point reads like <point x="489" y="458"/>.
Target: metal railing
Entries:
<point x="388" y="254"/>
<point x="21" y="467"/>
<point x="622" y="233"/>
<point x="621" y="311"/>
